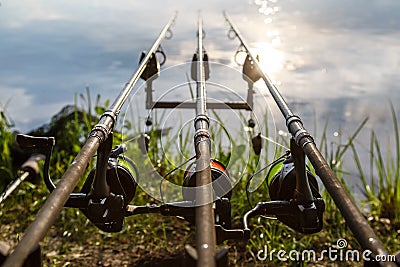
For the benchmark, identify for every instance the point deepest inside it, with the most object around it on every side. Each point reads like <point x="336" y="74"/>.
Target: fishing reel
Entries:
<point x="222" y="186"/>
<point x="108" y="189"/>
<point x="293" y="189"/>
<point x="222" y="191"/>
<point x="300" y="189"/>
<point x="282" y="185"/>
<point x="295" y="200"/>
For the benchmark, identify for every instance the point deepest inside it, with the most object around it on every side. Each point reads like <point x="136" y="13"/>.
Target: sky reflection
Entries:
<point x="329" y="58"/>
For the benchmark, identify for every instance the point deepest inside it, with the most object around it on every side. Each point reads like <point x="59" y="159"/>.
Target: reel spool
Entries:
<point x="281" y="179"/>
<point x="304" y="217"/>
<point x="121" y="178"/>
<point x="222" y="190"/>
<point x="222" y="185"/>
<point x="107" y="213"/>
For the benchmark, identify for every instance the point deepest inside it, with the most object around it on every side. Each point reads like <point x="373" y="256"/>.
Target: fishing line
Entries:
<point x="132" y="139"/>
<point x="273" y="141"/>
<point x="169" y="173"/>
<point x="258" y="172"/>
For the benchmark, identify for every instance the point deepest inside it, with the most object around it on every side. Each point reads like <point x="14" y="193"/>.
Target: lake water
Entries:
<point x="336" y="60"/>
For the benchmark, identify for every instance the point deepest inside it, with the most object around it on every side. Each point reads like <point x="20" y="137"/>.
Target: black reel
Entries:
<point x="119" y="178"/>
<point x="283" y="184"/>
<point x="108" y="189"/>
<point x="108" y="213"/>
<point x="294" y="183"/>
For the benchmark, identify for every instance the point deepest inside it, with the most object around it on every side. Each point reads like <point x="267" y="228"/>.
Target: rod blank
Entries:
<point x="205" y="225"/>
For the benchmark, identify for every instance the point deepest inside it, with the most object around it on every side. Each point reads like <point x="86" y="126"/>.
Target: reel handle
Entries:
<point x="28" y="141"/>
<point x="45" y="144"/>
<point x="31" y="165"/>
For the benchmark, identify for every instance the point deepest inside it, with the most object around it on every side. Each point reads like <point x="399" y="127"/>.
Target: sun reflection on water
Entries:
<point x="271" y="58"/>
<point x="267" y="7"/>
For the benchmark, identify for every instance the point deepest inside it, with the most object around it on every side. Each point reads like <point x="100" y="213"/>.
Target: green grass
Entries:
<point x="382" y="188"/>
<point x="146" y="234"/>
<point x="7" y="139"/>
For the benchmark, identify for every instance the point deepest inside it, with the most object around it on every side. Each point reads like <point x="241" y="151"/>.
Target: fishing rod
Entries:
<point x="100" y="137"/>
<point x="354" y="218"/>
<point x="205" y="227"/>
<point x="207" y="186"/>
<point x="29" y="169"/>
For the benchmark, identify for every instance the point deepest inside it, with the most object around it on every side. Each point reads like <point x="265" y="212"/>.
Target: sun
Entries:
<point x="271" y="58"/>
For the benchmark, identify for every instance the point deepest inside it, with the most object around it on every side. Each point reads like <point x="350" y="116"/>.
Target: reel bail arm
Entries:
<point x="303" y="219"/>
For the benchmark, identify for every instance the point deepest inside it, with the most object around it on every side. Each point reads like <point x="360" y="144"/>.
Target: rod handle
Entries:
<point x="31" y="165"/>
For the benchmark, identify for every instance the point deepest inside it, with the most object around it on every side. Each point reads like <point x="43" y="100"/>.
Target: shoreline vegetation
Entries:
<point x="154" y="240"/>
